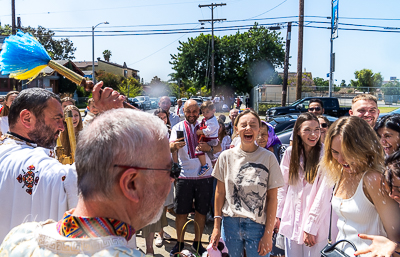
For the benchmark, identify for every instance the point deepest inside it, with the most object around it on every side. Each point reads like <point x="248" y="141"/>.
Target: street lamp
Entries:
<point x="93" y="75"/>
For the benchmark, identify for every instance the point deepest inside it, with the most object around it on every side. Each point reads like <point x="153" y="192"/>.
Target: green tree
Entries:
<point x="241" y="60"/>
<point x="343" y="83"/>
<point x="321" y="84"/>
<point x="109" y="79"/>
<point x="366" y="80"/>
<point x="107" y="54"/>
<point x="61" y="49"/>
<point x="204" y="91"/>
<point x="391" y="88"/>
<point x="130" y="87"/>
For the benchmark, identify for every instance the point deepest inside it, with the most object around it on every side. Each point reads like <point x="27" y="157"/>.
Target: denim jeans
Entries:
<point x="242" y="233"/>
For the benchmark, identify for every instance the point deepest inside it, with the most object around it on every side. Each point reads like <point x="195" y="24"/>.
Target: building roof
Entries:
<point x="85" y="64"/>
<point x="117" y="65"/>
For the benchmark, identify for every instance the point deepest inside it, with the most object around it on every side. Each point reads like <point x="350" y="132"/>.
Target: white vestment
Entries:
<point x="33" y="186"/>
<point x="42" y="239"/>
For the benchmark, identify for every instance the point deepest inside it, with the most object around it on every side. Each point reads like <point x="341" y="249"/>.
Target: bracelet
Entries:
<point x="217" y="217"/>
<point x="212" y="151"/>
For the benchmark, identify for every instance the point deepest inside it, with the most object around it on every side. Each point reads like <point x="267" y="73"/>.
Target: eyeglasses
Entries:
<point x="174" y="172"/>
<point x="323" y="125"/>
<point x="314" y="109"/>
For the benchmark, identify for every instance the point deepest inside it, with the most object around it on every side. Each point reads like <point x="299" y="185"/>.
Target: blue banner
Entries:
<point x="334" y="18"/>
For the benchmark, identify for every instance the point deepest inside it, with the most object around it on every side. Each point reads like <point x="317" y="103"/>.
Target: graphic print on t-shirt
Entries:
<point x="250" y="188"/>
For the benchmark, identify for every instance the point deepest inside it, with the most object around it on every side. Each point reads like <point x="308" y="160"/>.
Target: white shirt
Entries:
<point x="179" y="111"/>
<point x="43" y="239"/>
<point x="190" y="167"/>
<point x="212" y="127"/>
<point x="4" y="125"/>
<point x="33" y="186"/>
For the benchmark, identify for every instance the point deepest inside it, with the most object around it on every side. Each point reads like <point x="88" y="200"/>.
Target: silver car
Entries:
<point x="145" y="101"/>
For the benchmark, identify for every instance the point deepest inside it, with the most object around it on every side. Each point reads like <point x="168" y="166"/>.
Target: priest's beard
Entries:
<point x="43" y="135"/>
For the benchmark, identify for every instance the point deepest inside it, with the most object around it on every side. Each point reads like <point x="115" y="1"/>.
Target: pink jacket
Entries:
<point x="304" y="206"/>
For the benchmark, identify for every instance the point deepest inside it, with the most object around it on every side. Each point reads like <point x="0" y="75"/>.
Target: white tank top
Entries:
<point x="357" y="215"/>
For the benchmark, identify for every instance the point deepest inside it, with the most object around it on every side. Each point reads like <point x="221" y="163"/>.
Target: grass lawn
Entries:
<point x="387" y="109"/>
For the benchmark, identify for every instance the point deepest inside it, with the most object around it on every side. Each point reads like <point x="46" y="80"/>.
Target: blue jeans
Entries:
<point x="242" y="233"/>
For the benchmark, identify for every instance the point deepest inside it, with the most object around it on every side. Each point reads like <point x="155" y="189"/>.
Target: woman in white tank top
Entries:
<point x="354" y="161"/>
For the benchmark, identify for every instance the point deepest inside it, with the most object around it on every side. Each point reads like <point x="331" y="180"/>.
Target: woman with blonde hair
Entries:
<point x="303" y="236"/>
<point x="6" y="110"/>
<point x="354" y="163"/>
<point x="78" y="126"/>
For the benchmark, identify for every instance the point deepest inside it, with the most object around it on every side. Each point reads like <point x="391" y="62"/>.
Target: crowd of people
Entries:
<point x="131" y="167"/>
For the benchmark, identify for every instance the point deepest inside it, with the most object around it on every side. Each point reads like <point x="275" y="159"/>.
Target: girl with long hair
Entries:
<point x="78" y="126"/>
<point x="353" y="162"/>
<point x="6" y="110"/>
<point x="300" y="169"/>
<point x="246" y="194"/>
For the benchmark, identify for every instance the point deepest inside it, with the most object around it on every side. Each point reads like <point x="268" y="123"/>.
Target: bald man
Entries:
<point x="165" y="104"/>
<point x="189" y="186"/>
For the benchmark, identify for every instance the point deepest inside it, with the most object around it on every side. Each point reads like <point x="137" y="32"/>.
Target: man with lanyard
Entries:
<point x="165" y="104"/>
<point x="179" y="108"/>
<point x="33" y="185"/>
<point x="120" y="190"/>
<point x="189" y="186"/>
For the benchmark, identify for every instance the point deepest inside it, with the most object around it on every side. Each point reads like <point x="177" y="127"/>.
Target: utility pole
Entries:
<point x="300" y="50"/>
<point x="14" y="30"/>
<point x="286" y="64"/>
<point x="212" y="6"/>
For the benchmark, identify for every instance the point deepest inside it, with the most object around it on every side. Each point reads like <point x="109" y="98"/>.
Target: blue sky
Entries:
<point x="150" y="54"/>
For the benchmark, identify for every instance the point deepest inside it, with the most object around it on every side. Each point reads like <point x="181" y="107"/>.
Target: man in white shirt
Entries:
<point x="33" y="185"/>
<point x="179" y="108"/>
<point x="165" y="104"/>
<point x="190" y="186"/>
<point x="120" y="190"/>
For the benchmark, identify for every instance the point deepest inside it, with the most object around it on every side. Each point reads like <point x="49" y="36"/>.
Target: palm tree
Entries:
<point x="107" y="54"/>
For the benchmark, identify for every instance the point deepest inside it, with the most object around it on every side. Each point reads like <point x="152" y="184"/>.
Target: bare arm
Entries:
<point x="381" y="246"/>
<point x="387" y="208"/>
<point x="265" y="244"/>
<point x="219" y="202"/>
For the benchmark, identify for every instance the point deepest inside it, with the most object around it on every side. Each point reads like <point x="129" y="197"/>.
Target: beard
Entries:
<point x="43" y="135"/>
<point x="157" y="217"/>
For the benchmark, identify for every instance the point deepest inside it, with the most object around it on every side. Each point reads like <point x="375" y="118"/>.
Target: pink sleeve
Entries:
<point x="282" y="191"/>
<point x="320" y="207"/>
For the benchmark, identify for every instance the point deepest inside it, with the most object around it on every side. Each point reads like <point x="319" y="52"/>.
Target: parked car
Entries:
<point x="153" y="103"/>
<point x="285" y="122"/>
<point x="198" y="100"/>
<point x="135" y="102"/>
<point x="173" y="100"/>
<point x="331" y="107"/>
<point x="145" y="101"/>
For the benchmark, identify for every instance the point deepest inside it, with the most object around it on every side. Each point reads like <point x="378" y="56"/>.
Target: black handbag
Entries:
<point x="330" y="249"/>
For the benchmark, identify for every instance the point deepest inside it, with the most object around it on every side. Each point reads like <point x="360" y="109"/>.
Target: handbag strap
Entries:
<point x="330" y="219"/>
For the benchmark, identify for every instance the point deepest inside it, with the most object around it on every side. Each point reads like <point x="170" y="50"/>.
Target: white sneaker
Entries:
<point x="159" y="241"/>
<point x="166" y="235"/>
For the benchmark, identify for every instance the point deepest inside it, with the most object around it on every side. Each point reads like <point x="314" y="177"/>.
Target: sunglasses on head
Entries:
<point x="314" y="109"/>
<point x="324" y="125"/>
<point x="174" y="172"/>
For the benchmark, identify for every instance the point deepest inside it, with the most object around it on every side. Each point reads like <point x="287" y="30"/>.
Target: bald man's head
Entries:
<point x="165" y="103"/>
<point x="191" y="110"/>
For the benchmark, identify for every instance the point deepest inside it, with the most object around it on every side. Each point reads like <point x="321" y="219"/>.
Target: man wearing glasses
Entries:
<point x="120" y="189"/>
<point x="316" y="107"/>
